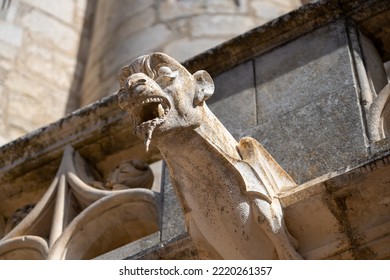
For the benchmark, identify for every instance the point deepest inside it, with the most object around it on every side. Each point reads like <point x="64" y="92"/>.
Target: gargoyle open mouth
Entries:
<point x="146" y="113"/>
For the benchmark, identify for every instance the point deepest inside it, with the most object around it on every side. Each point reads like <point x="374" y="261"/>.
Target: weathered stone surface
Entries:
<point x="115" y="209"/>
<point x="139" y="21"/>
<point x="9" y="52"/>
<point x="372" y="18"/>
<point x="126" y="26"/>
<point x="27" y="163"/>
<point x="227" y="189"/>
<point x="170" y="10"/>
<point x="59" y="35"/>
<point x="31" y="116"/>
<point x="173" y="217"/>
<point x="354" y="219"/>
<point x="234" y="100"/>
<point x="187" y="47"/>
<point x="193" y="26"/>
<point x="268" y="9"/>
<point x="131" y="249"/>
<point x="291" y="3"/>
<point x="51" y="67"/>
<point x="319" y="238"/>
<point x="106" y="66"/>
<point x="178" y="248"/>
<point x="11" y="33"/>
<point x="136" y="44"/>
<point x="62" y="9"/>
<point x="281" y="74"/>
<point x="266" y="37"/>
<point x="123" y="10"/>
<point x="41" y="46"/>
<point x="318" y="138"/>
<point x="220" y="25"/>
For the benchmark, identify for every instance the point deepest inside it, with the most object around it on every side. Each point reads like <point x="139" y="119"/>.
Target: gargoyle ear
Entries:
<point x="204" y="87"/>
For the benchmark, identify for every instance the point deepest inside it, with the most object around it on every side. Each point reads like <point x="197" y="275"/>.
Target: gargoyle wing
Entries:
<point x="269" y="171"/>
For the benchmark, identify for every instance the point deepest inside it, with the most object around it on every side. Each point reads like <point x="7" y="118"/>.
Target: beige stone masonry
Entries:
<point x="39" y="46"/>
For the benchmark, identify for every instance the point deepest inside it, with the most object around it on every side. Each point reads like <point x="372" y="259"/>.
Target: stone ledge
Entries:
<point x="349" y="212"/>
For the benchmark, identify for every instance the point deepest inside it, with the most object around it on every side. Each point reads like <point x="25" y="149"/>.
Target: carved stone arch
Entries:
<point x="379" y="117"/>
<point x="79" y="217"/>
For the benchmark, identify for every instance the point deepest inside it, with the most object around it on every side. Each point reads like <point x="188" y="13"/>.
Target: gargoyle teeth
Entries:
<point x="160" y="111"/>
<point x="147" y="113"/>
<point x="152" y="99"/>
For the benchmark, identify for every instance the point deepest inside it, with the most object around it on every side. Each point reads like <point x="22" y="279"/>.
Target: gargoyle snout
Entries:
<point x="136" y="85"/>
<point x="123" y="99"/>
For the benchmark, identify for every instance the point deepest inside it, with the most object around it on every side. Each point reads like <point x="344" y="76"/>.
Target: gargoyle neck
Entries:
<point x="211" y="132"/>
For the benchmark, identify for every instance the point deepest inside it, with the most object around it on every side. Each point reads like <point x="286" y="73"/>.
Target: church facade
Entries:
<point x="311" y="86"/>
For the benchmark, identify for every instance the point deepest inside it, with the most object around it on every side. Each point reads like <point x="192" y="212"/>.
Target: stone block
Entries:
<point x="61" y="9"/>
<point x="317" y="138"/>
<point x="26" y="117"/>
<point x="234" y="100"/>
<point x="172" y="216"/>
<point x="5" y="65"/>
<point x="8" y="51"/>
<point x="268" y="10"/>
<point x="290" y="4"/>
<point x="220" y="25"/>
<point x="52" y="70"/>
<point x="137" y="44"/>
<point x="368" y="209"/>
<point x="302" y="71"/>
<point x="319" y="235"/>
<point x="59" y="34"/>
<point x="185" y="48"/>
<point x="133" y="248"/>
<point x="39" y="50"/>
<point x="31" y="109"/>
<point x="123" y="27"/>
<point x="11" y="33"/>
<point x="123" y="10"/>
<point x="135" y="23"/>
<point x="169" y="10"/>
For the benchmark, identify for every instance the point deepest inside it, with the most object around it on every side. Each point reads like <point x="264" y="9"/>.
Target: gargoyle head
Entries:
<point x="161" y="95"/>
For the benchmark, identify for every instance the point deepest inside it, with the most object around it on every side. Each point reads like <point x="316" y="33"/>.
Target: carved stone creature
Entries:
<point x="128" y="174"/>
<point x="228" y="190"/>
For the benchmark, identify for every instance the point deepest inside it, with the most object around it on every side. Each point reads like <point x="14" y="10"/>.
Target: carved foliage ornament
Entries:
<point x="228" y="190"/>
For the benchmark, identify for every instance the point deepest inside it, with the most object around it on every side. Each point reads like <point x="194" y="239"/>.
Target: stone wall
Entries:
<point x="126" y="29"/>
<point x="40" y="62"/>
<point x="44" y="46"/>
<point x="310" y="117"/>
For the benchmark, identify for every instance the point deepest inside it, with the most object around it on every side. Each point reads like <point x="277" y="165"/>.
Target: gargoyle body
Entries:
<point x="228" y="190"/>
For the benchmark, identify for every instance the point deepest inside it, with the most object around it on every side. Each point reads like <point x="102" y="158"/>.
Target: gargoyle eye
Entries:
<point x="166" y="71"/>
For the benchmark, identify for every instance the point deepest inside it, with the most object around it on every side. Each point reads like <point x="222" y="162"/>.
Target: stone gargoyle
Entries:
<point x="228" y="190"/>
